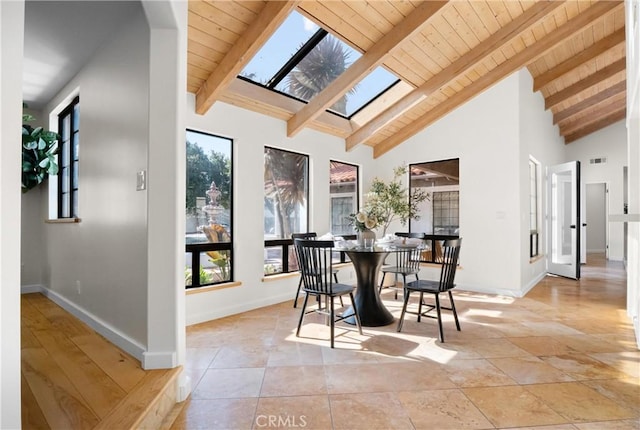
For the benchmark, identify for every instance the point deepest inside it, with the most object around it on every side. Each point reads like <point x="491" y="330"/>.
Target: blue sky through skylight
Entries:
<point x="294" y="32"/>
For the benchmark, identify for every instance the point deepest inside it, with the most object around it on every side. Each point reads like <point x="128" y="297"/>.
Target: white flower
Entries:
<point x="370" y="223"/>
<point x="360" y="217"/>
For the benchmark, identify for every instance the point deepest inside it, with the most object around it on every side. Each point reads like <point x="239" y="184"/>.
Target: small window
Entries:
<point x="68" y="160"/>
<point x="343" y="194"/>
<point x="534" y="205"/>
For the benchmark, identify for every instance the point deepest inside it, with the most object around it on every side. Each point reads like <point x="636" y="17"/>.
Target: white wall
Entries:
<point x="540" y="139"/>
<point x="483" y="134"/>
<point x="610" y="142"/>
<point x="251" y="132"/>
<point x="633" y="150"/>
<point x="11" y="54"/>
<point x="32" y="255"/>
<point x="99" y="264"/>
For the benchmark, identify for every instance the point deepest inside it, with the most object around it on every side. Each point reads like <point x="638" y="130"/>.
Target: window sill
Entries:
<point x="280" y="276"/>
<point x="536" y="258"/>
<point x="208" y="288"/>
<point x="63" y="221"/>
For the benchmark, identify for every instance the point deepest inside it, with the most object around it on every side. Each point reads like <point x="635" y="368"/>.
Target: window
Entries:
<point x="301" y="59"/>
<point x="440" y="213"/>
<point x="286" y="195"/>
<point x="343" y="192"/>
<point x="534" y="204"/>
<point x="209" y="215"/>
<point x="69" y="130"/>
<point x="445" y="212"/>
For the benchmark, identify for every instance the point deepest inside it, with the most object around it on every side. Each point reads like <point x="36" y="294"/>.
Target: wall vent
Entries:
<point x="599" y="160"/>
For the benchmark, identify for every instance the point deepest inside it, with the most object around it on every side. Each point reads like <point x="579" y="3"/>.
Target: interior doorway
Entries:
<point x="597" y="239"/>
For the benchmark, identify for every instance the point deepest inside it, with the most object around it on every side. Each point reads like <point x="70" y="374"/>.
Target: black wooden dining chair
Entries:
<point x="309" y="235"/>
<point x="407" y="262"/>
<point x="316" y="267"/>
<point x="451" y="252"/>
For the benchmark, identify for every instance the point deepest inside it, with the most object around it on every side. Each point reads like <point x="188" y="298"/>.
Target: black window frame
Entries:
<point x="195" y="249"/>
<point x="357" y="185"/>
<point x="285" y="244"/>
<point x="73" y="188"/>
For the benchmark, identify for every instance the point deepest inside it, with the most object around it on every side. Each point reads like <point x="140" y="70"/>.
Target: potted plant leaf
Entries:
<point x="39" y="148"/>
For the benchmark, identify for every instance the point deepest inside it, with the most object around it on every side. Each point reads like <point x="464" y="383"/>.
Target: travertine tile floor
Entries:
<point x="563" y="357"/>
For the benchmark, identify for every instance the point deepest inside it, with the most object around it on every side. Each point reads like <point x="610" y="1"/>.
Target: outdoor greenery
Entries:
<point x="39" y="148"/>
<point x="285" y="179"/>
<point x="202" y="169"/>
<point x="387" y="201"/>
<point x="318" y="69"/>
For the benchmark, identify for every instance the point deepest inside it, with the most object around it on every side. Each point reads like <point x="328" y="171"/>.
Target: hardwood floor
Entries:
<point x="563" y="357"/>
<point x="73" y="378"/>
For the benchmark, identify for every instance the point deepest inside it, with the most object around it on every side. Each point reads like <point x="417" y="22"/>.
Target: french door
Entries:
<point x="564" y="221"/>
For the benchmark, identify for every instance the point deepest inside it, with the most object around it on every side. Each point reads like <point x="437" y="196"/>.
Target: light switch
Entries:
<point x="141" y="180"/>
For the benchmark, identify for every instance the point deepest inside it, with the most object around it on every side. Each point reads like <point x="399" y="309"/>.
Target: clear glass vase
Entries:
<point x="366" y="238"/>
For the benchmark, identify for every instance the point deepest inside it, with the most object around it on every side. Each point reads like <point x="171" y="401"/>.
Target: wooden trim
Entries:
<point x="206" y="289"/>
<point x="597" y="125"/>
<point x="378" y="53"/>
<point x="588" y="82"/>
<point x="280" y="276"/>
<point x="246" y="47"/>
<point x="452" y="72"/>
<point x="579" y="59"/>
<point x="596" y="12"/>
<point x="610" y="92"/>
<point x="63" y="220"/>
<point x="573" y="126"/>
<point x="258" y="97"/>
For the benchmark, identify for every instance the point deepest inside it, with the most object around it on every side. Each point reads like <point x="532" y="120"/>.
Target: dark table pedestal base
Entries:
<point x="370" y="307"/>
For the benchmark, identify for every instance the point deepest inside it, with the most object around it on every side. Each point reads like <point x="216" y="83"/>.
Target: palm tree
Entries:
<point x="318" y="69"/>
<point x="285" y="179"/>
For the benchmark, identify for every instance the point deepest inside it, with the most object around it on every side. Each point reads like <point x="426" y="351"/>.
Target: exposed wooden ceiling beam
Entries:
<point x="265" y="24"/>
<point x="613" y="91"/>
<point x="579" y="59"/>
<point x="604" y="110"/>
<point x="598" y="11"/>
<point x="595" y="126"/>
<point x="364" y="65"/>
<point x="586" y="83"/>
<point x="502" y="37"/>
<point x="259" y="99"/>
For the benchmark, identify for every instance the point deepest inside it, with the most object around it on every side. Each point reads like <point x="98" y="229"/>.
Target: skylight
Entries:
<point x="301" y="59"/>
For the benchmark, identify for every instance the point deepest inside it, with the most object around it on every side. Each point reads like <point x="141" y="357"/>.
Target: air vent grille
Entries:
<point x="599" y="160"/>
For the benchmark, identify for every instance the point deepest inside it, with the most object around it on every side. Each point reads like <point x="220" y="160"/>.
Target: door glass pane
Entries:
<point x="561" y="198"/>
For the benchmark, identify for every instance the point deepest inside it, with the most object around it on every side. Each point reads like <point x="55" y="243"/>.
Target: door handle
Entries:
<point x="572" y="226"/>
<point x="584" y="224"/>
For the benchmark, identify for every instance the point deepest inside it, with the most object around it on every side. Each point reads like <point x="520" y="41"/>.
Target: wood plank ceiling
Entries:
<point x="445" y="53"/>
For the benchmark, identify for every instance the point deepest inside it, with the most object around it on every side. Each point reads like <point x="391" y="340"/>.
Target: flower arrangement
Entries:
<point x="363" y="221"/>
<point x="387" y="201"/>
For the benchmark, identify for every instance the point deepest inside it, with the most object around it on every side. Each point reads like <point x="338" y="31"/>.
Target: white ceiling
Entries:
<point x="60" y="36"/>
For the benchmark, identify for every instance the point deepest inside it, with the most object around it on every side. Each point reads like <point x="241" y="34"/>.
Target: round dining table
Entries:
<point x="367" y="262"/>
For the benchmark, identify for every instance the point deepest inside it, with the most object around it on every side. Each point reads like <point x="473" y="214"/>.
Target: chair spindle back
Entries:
<point x="316" y="264"/>
<point x="449" y="263"/>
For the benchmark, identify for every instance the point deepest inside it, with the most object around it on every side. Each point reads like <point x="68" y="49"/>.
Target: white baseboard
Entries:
<point x="33" y="288"/>
<point x="533" y="283"/>
<point x="119" y="339"/>
<point x="236" y="308"/>
<point x="158" y="360"/>
<point x="492" y="291"/>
